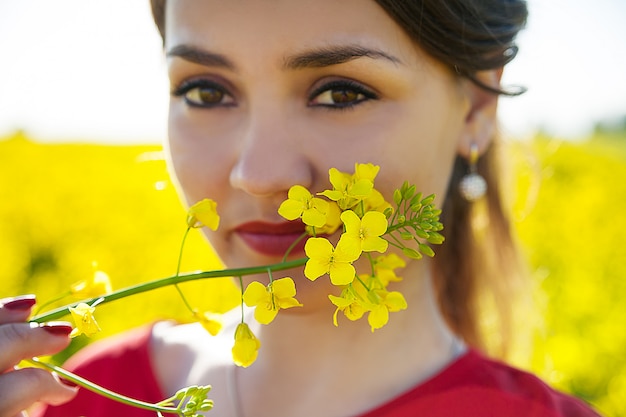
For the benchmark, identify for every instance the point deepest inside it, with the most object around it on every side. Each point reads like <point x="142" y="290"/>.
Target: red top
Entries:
<point x="471" y="386"/>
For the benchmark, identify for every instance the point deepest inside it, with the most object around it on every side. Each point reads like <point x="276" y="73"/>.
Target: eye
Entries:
<point x="203" y="93"/>
<point x="340" y="94"/>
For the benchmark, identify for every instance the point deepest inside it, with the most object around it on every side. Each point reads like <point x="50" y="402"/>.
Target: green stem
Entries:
<point x="393" y="227"/>
<point x="180" y="258"/>
<point x="241" y="288"/>
<point x="180" y="252"/>
<point x="394" y="217"/>
<point x="182" y="296"/>
<point x="101" y="390"/>
<point x="293" y="245"/>
<point x="394" y="242"/>
<point x="54" y="300"/>
<point x="362" y="283"/>
<point x="269" y="272"/>
<point x="371" y="261"/>
<point x="163" y="282"/>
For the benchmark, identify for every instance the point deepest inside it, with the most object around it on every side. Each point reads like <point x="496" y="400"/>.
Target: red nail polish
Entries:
<point x="23" y="303"/>
<point x="57" y="328"/>
<point x="68" y="383"/>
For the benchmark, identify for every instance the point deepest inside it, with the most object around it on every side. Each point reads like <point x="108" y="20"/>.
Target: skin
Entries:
<point x="20" y="389"/>
<point x="282" y="111"/>
<point x="275" y="124"/>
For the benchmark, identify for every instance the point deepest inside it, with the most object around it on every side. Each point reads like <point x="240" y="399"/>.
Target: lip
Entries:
<point x="272" y="239"/>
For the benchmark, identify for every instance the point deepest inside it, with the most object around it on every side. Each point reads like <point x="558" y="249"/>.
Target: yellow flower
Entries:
<point x="349" y="303"/>
<point x="347" y="190"/>
<point x="384" y="268"/>
<point x="366" y="171"/>
<point x="246" y="348"/>
<point x="271" y="298"/>
<point x="364" y="234"/>
<point x="212" y="322"/>
<point x="376" y="202"/>
<point x="85" y="322"/>
<point x="333" y="221"/>
<point x="98" y="284"/>
<point x="301" y="203"/>
<point x="203" y="213"/>
<point x="325" y="259"/>
<point x="384" y="302"/>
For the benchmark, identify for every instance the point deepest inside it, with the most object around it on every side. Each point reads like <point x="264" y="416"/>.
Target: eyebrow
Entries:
<point x="333" y="55"/>
<point x="200" y="56"/>
<point x="314" y="58"/>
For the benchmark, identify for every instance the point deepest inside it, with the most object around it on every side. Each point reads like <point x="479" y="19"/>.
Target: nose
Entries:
<point x="270" y="159"/>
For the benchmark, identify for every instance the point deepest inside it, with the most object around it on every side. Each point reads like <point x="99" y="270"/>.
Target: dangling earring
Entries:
<point x="473" y="186"/>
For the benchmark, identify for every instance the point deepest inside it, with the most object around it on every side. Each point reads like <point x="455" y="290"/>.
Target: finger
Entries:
<point x="25" y="340"/>
<point x="22" y="388"/>
<point x="16" y="309"/>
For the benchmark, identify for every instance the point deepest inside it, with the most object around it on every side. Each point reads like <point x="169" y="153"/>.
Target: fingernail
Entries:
<point x="68" y="382"/>
<point x="57" y="328"/>
<point x="23" y="302"/>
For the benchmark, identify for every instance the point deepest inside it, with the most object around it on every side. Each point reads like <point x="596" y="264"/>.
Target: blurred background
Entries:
<point x="83" y="182"/>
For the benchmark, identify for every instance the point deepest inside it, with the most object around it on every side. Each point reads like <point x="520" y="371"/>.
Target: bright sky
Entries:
<point x="92" y="70"/>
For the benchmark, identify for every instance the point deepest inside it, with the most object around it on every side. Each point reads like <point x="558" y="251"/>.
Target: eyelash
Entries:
<point x="186" y="87"/>
<point x="189" y="86"/>
<point x="345" y="85"/>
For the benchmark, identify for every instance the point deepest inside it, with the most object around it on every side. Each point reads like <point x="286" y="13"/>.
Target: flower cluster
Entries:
<point x="342" y="224"/>
<point x="370" y="224"/>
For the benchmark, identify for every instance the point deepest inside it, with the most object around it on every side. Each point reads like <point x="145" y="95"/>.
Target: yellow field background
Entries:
<point x="65" y="206"/>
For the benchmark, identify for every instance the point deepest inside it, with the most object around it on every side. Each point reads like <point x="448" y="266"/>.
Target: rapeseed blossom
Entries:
<point x="365" y="171"/>
<point x="84" y="320"/>
<point x="333" y="221"/>
<point x="269" y="299"/>
<point x="98" y="284"/>
<point x="246" y="347"/>
<point x="376" y="202"/>
<point x="203" y="213"/>
<point x="300" y="203"/>
<point x="326" y="259"/>
<point x="364" y="234"/>
<point x="212" y="322"/>
<point x="385" y="266"/>
<point x="347" y="190"/>
<point x="382" y="303"/>
<point x="350" y="303"/>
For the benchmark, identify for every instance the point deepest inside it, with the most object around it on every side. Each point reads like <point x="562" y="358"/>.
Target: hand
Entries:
<point x="20" y="388"/>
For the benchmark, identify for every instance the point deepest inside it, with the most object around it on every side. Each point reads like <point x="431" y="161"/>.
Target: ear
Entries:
<point x="480" y="122"/>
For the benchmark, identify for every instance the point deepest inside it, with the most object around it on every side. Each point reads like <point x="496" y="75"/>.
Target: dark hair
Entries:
<point x="469" y="36"/>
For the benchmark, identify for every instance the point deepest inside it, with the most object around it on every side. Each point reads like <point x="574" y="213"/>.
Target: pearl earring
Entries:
<point x="473" y="186"/>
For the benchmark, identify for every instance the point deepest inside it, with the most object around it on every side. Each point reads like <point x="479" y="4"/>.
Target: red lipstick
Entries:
<point x="272" y="239"/>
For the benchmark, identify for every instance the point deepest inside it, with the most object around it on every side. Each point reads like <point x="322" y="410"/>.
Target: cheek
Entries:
<point x="199" y="160"/>
<point x="414" y="143"/>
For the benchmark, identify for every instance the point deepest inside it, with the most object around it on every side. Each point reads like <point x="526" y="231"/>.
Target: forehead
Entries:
<point x="277" y="27"/>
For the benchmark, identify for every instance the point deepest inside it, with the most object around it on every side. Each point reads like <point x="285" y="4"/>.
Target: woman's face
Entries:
<point x="268" y="94"/>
